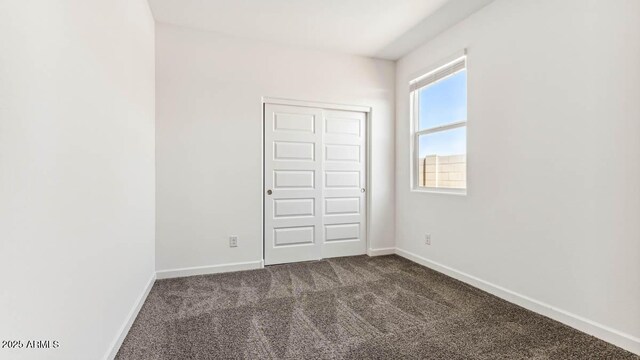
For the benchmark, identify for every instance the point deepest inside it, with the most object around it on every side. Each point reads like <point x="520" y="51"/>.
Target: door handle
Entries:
<point x="362" y="190"/>
<point x="269" y="192"/>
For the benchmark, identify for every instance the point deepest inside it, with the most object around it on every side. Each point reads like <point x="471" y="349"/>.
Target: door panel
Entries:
<point x="294" y="235"/>
<point x="294" y="179"/>
<point x="293" y="207"/>
<point x="294" y="121"/>
<point x="342" y="179"/>
<point x="289" y="150"/>
<point x="293" y="170"/>
<point x="342" y="153"/>
<point x="344" y="216"/>
<point x="342" y="232"/>
<point x="315" y="170"/>
<point x="342" y="206"/>
<point x="343" y="126"/>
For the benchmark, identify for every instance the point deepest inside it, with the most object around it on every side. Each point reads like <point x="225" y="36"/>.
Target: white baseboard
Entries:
<point x="608" y="334"/>
<point x="211" y="269"/>
<point x="381" y="251"/>
<point x="124" y="329"/>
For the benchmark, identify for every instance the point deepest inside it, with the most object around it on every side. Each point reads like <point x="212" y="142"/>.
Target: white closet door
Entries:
<point x="344" y="183"/>
<point x="293" y="184"/>
<point x="314" y="176"/>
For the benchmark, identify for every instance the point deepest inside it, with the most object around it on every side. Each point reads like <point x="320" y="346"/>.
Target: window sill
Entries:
<point x="458" y="192"/>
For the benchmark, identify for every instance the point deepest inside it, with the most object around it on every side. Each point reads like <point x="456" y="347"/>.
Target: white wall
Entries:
<point x="554" y="158"/>
<point x="76" y="171"/>
<point x="209" y="138"/>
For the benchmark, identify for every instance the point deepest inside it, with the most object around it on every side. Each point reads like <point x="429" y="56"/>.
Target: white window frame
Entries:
<point x="439" y="72"/>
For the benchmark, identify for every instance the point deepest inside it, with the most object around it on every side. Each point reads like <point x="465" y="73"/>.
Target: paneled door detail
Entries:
<point x="292" y="179"/>
<point x="344" y="197"/>
<point x="314" y="176"/>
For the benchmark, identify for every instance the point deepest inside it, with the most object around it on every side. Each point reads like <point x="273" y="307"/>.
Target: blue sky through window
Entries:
<point x="442" y="103"/>
<point x="444" y="143"/>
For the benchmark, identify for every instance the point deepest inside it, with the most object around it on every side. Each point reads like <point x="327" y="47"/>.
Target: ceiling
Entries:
<point x="384" y="29"/>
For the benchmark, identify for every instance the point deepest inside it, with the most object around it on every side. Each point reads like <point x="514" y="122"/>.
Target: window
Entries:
<point x="439" y="120"/>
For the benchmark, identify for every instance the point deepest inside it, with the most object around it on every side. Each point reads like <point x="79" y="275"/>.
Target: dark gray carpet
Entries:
<point x="345" y="308"/>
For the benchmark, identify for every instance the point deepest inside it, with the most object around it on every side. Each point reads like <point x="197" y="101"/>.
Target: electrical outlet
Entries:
<point x="427" y="239"/>
<point x="233" y="241"/>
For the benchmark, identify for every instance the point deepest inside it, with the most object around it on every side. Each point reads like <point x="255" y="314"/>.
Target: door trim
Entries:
<point x="315" y="104"/>
<point x="367" y="110"/>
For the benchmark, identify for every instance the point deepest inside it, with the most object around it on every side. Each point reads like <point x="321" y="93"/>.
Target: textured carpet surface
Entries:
<point x="345" y="308"/>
